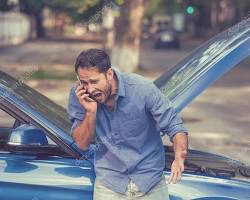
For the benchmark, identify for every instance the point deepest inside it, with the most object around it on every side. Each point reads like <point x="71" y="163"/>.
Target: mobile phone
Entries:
<point x="89" y="98"/>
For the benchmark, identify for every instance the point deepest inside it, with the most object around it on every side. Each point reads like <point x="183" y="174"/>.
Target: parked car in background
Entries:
<point x="166" y="38"/>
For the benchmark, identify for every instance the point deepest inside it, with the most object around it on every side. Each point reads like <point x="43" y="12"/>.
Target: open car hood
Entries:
<point x="205" y="65"/>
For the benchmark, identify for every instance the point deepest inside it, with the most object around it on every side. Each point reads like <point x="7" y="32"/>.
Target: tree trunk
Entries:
<point x="40" y="31"/>
<point x="214" y="14"/>
<point x="108" y="24"/>
<point x="126" y="51"/>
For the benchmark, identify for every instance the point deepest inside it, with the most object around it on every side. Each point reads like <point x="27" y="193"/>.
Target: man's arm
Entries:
<point x="170" y="123"/>
<point x="180" y="144"/>
<point x="82" y="114"/>
<point x="84" y="133"/>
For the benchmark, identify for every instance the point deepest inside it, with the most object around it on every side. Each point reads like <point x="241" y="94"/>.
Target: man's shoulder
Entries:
<point x="135" y="83"/>
<point x="73" y="87"/>
<point x="72" y="95"/>
<point x="135" y="79"/>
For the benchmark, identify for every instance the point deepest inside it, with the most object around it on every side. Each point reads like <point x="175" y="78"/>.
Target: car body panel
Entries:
<point x="55" y="178"/>
<point x="62" y="176"/>
<point x="193" y="187"/>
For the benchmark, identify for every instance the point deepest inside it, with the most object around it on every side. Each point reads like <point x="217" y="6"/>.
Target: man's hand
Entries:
<point x="84" y="133"/>
<point x="89" y="104"/>
<point x="177" y="168"/>
<point x="180" y="144"/>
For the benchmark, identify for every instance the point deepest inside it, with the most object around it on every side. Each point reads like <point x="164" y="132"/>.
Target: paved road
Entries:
<point x="48" y="55"/>
<point x="218" y="120"/>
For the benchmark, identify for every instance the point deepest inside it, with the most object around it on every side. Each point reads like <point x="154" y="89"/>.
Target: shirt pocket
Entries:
<point x="134" y="127"/>
<point x="133" y="119"/>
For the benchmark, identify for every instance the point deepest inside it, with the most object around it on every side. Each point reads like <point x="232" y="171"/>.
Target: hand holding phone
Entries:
<point x="85" y="99"/>
<point x="88" y="98"/>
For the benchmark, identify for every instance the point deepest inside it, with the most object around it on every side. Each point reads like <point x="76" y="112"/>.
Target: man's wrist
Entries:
<point x="181" y="155"/>
<point x="91" y="113"/>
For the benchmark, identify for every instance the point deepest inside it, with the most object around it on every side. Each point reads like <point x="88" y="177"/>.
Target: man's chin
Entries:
<point x="100" y="101"/>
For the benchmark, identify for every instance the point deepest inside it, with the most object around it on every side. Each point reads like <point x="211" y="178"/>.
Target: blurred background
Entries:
<point x="40" y="40"/>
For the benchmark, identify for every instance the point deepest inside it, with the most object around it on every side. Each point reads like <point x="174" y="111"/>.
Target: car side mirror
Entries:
<point x="27" y="135"/>
<point x="26" y="138"/>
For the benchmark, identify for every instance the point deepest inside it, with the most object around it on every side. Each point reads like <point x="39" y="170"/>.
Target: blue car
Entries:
<point x="39" y="159"/>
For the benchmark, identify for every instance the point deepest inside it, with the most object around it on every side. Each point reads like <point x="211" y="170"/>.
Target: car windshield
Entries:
<point x="55" y="113"/>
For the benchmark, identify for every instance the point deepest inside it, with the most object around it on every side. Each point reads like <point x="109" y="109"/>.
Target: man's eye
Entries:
<point x="94" y="81"/>
<point x="83" y="82"/>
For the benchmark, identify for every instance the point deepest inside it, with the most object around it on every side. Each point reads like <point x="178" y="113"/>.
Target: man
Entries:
<point x="124" y="114"/>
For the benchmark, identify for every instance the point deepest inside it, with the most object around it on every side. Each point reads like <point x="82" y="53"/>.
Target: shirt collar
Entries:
<point x="121" y="86"/>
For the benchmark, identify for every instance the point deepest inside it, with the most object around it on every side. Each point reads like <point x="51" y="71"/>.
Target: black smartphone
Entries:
<point x="90" y="97"/>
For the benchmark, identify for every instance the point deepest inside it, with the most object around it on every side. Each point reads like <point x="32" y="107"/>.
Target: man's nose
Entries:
<point x="90" y="89"/>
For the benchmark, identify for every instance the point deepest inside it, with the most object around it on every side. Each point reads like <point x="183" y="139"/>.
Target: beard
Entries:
<point x="108" y="92"/>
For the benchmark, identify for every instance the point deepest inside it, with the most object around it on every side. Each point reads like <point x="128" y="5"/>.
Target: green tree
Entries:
<point x="5" y="5"/>
<point x="76" y="9"/>
<point x="163" y="7"/>
<point x="34" y="9"/>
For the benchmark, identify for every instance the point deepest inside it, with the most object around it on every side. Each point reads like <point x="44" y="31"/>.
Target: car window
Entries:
<point x="6" y="120"/>
<point x="6" y="125"/>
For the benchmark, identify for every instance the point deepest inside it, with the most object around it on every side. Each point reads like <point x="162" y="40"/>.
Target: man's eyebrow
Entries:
<point x="94" y="79"/>
<point x="87" y="79"/>
<point x="84" y="80"/>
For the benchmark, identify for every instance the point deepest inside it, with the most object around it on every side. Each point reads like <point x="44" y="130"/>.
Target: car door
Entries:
<point x="32" y="176"/>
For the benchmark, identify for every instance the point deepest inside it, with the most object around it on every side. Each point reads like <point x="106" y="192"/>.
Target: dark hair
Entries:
<point x="93" y="58"/>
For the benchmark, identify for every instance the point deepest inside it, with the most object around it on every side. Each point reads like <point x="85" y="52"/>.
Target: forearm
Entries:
<point x="84" y="133"/>
<point x="180" y="144"/>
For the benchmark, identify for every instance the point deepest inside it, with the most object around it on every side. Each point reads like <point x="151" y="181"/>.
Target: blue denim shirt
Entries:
<point x="128" y="141"/>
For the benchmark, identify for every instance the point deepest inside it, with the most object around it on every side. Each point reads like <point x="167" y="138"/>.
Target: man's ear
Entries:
<point x="110" y="74"/>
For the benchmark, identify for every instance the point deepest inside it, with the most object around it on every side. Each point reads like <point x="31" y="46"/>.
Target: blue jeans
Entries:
<point x="158" y="192"/>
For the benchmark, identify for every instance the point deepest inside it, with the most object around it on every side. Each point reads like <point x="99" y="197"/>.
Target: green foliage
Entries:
<point x="53" y="75"/>
<point x="155" y="7"/>
<point x="5" y="5"/>
<point x="76" y="9"/>
<point x="32" y="7"/>
<point x="79" y="6"/>
<point x="159" y="7"/>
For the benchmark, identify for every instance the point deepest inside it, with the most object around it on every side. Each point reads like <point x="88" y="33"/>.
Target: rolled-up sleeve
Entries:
<point x="75" y="111"/>
<point x="163" y="112"/>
